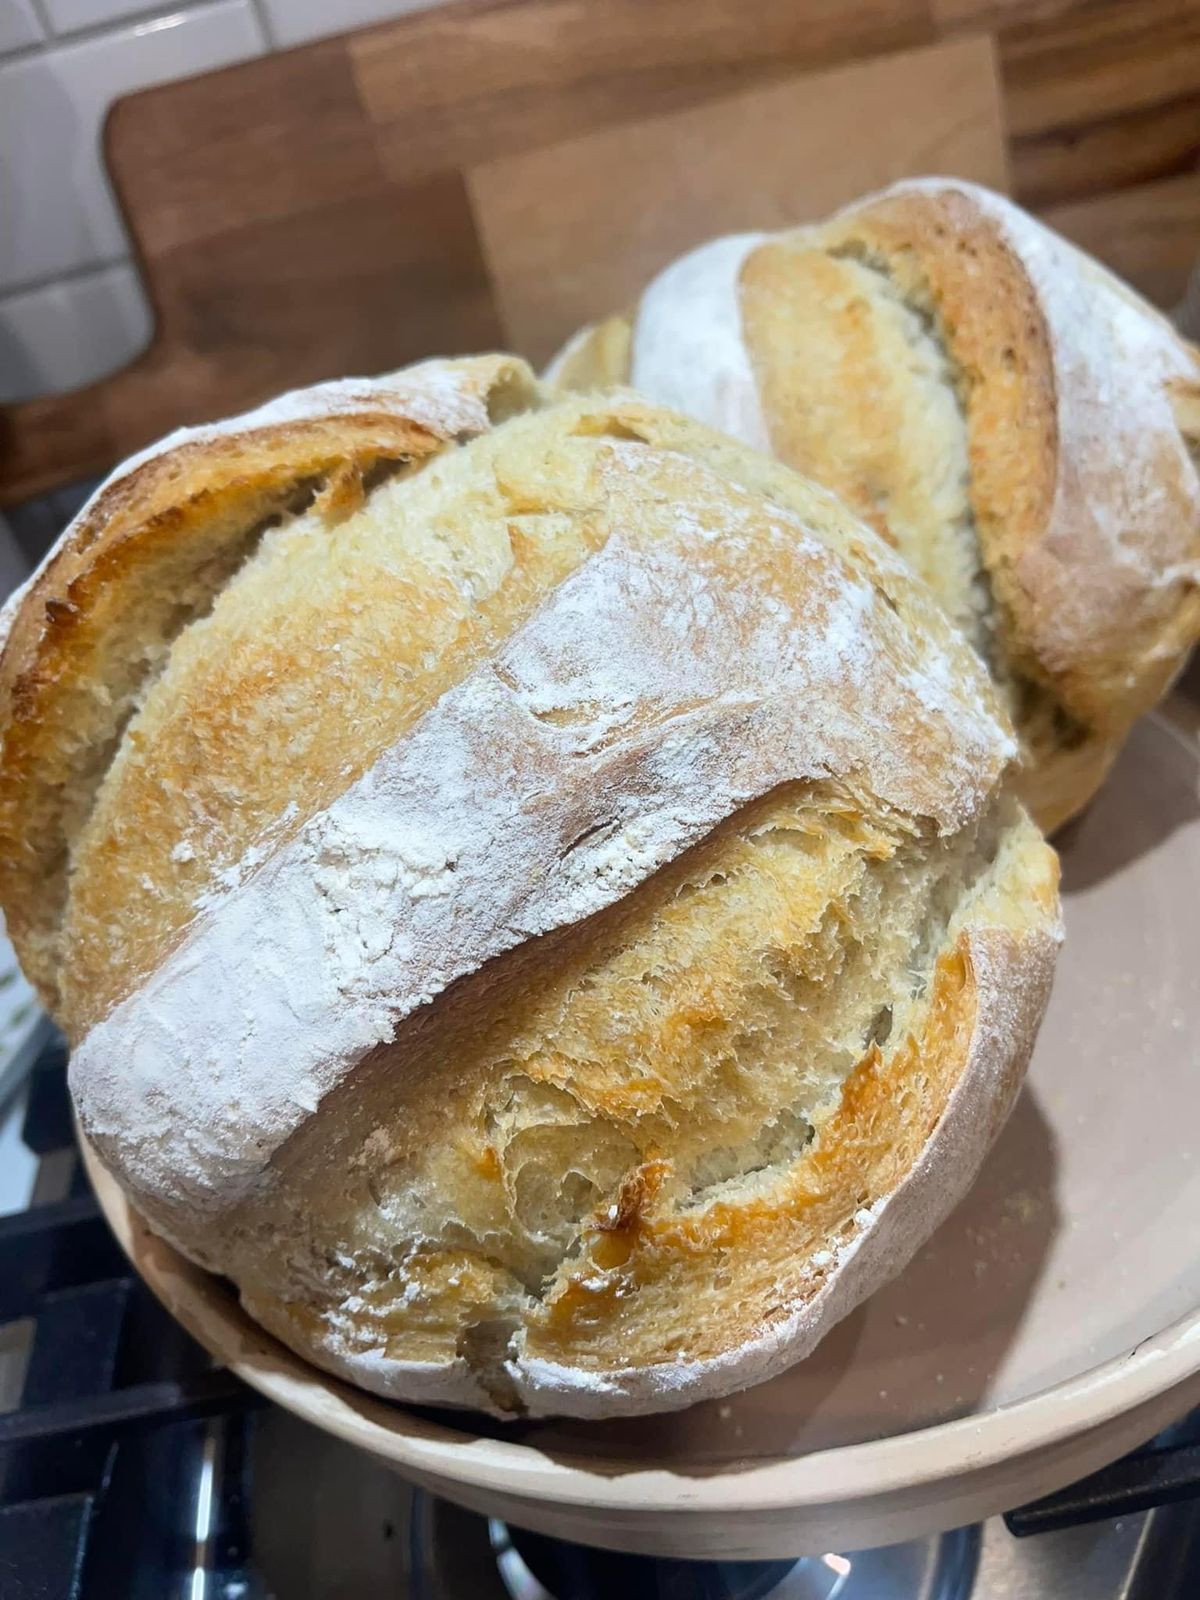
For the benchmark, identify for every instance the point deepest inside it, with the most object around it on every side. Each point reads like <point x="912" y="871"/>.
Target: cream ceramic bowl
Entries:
<point x="1052" y="1324"/>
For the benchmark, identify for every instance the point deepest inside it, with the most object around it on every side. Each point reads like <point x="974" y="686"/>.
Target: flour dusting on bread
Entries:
<point x="447" y="852"/>
<point x="1115" y="362"/>
<point x="547" y="918"/>
<point x="1022" y="425"/>
<point x="688" y="348"/>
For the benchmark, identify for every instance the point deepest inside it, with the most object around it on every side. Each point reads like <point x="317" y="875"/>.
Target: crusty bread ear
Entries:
<point x="558" y="936"/>
<point x="146" y="558"/>
<point x="1020" y="424"/>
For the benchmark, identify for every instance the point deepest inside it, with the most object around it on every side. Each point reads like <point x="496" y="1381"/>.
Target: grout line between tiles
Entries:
<point x="264" y="21"/>
<point x="88" y="269"/>
<point x="145" y="11"/>
<point x="38" y="7"/>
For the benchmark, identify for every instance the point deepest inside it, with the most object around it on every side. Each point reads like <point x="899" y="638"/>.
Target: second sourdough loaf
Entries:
<point x="541" y="909"/>
<point x="1017" y="422"/>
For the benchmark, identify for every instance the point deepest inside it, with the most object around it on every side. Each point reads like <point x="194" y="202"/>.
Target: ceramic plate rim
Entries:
<point x="869" y="1470"/>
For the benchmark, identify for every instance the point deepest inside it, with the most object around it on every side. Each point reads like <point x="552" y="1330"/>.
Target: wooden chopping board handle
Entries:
<point x="62" y="438"/>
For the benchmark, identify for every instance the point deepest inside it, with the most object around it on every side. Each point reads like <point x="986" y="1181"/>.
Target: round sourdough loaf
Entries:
<point x="531" y="885"/>
<point x="1018" y="423"/>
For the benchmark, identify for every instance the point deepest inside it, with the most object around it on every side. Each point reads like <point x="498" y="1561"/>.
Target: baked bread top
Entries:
<point x="1016" y="421"/>
<point x="549" y="921"/>
<point x="88" y="638"/>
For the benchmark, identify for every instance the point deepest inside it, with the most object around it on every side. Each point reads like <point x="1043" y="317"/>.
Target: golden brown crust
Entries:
<point x="889" y="1108"/>
<point x="1063" y="764"/>
<point x="640" y="971"/>
<point x="1012" y="417"/>
<point x="679" y="635"/>
<point x="939" y="245"/>
<point x="1094" y="586"/>
<point x="143" y="559"/>
<point x="885" y="1116"/>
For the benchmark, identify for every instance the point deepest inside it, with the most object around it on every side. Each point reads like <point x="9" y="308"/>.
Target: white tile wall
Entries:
<point x="68" y="16"/>
<point x="58" y="208"/>
<point x="295" y="21"/>
<point x="18" y="25"/>
<point x="62" y="335"/>
<point x="70" y="305"/>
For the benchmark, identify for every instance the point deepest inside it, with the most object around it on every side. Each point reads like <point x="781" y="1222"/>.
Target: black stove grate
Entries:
<point x="120" y="1411"/>
<point x="1162" y="1473"/>
<point x="103" y="1362"/>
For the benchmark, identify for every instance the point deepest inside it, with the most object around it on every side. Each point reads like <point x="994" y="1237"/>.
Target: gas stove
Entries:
<point x="130" y="1467"/>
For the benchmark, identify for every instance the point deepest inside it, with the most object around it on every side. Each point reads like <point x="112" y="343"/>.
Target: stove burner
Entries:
<point x="454" y="1552"/>
<point x="534" y="1567"/>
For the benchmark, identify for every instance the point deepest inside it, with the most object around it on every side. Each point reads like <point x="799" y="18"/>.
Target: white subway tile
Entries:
<point x="294" y="21"/>
<point x="18" y="25"/>
<point x="66" y="334"/>
<point x="55" y="200"/>
<point x="67" y="16"/>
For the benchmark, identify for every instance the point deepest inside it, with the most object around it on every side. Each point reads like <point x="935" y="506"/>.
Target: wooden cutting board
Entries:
<point x="346" y="207"/>
<point x="575" y="230"/>
<point x="484" y="174"/>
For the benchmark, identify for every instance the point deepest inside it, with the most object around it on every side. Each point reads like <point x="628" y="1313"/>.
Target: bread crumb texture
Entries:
<point x="541" y="909"/>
